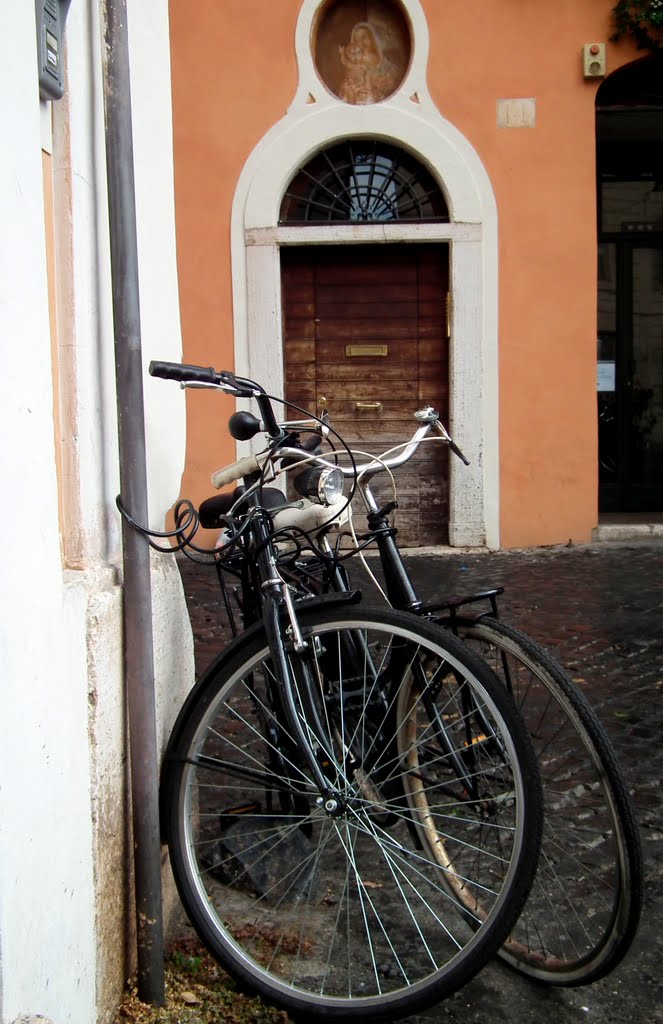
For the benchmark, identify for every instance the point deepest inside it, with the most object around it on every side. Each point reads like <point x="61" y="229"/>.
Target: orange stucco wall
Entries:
<point x="544" y="182"/>
<point x="234" y="75"/>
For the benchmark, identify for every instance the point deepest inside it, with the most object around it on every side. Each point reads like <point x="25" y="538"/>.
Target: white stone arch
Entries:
<point x="409" y="119"/>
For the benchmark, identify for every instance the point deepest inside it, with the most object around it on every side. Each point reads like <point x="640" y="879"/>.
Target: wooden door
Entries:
<point x="365" y="331"/>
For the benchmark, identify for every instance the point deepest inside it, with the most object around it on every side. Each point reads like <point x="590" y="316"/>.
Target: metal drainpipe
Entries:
<point x="138" y="651"/>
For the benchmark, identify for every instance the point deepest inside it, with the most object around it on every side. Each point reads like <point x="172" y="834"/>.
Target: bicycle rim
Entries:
<point x="348" y="914"/>
<point x="584" y="907"/>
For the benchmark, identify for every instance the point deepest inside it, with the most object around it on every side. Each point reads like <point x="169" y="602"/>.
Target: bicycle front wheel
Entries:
<point x="341" y="908"/>
<point x="584" y="907"/>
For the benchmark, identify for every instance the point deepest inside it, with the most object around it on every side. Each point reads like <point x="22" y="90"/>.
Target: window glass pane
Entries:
<point x="646" y="382"/>
<point x="606" y="366"/>
<point x="365" y="181"/>
<point x="631" y="206"/>
<point x="607" y="294"/>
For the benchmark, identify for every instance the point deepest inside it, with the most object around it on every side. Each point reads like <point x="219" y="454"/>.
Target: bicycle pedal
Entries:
<point x="476" y="740"/>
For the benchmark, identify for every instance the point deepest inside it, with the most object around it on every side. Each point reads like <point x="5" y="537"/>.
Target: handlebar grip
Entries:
<point x="311" y="444"/>
<point x="236" y="470"/>
<point x="456" y="450"/>
<point x="184" y="372"/>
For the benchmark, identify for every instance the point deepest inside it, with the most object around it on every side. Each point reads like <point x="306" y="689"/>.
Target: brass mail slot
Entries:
<point x="366" y="350"/>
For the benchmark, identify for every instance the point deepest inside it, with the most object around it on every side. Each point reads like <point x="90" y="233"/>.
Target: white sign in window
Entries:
<point x="605" y="379"/>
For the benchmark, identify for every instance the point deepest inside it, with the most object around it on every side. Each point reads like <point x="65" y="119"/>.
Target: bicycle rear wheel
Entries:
<point x="584" y="907"/>
<point x="344" y="912"/>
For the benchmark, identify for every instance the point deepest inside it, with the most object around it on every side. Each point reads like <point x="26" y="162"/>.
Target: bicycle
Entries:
<point x="350" y="799"/>
<point x="584" y="908"/>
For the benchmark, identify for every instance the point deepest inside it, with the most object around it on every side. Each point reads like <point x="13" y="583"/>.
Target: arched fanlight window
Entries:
<point x="629" y="130"/>
<point x="362" y="180"/>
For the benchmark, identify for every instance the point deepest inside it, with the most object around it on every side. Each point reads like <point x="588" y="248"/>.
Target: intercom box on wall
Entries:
<point x="51" y="16"/>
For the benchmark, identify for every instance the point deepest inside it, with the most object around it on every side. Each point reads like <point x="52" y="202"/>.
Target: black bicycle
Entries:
<point x="350" y="798"/>
<point x="584" y="908"/>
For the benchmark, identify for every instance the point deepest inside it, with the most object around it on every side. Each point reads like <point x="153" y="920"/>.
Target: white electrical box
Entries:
<point x="593" y="60"/>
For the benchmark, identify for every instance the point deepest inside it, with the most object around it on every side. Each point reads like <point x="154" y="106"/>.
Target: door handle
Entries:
<point x="365" y="406"/>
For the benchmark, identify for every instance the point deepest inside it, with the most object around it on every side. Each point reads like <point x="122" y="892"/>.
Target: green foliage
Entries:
<point x="198" y="991"/>
<point x="642" y="20"/>
<point x="186" y="962"/>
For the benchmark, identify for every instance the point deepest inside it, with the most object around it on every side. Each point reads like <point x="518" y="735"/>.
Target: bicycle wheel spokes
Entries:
<point x="353" y="909"/>
<point x="584" y="907"/>
<point x="460" y="788"/>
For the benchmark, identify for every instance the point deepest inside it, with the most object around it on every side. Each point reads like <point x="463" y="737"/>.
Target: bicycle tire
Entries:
<point x="343" y="916"/>
<point x="584" y="908"/>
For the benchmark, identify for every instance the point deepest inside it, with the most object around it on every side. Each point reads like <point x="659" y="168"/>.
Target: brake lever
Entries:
<point x="450" y="441"/>
<point x="456" y="450"/>
<point x="221" y="386"/>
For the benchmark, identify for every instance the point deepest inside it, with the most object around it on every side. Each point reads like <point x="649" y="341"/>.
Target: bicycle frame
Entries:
<point x="399" y="589"/>
<point x="288" y="647"/>
<point x="268" y="597"/>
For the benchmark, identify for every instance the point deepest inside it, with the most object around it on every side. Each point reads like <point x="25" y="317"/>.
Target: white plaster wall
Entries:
<point x="46" y="934"/>
<point x="149" y="42"/>
<point x="64" y="866"/>
<point x="85" y="300"/>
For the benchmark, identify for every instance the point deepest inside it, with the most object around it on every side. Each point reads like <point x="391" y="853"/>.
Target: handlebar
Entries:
<point x="430" y="420"/>
<point x="207" y="377"/>
<point x="235" y="471"/>
<point x="190" y="375"/>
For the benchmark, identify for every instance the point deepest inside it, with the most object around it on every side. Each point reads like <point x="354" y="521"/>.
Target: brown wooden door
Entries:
<point x="365" y="331"/>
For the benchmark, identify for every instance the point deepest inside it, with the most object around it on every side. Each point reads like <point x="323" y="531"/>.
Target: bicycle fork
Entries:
<point x="292" y="656"/>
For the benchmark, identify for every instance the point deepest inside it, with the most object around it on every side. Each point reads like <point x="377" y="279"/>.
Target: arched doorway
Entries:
<point x="407" y="118"/>
<point x="365" y="327"/>
<point x="629" y="136"/>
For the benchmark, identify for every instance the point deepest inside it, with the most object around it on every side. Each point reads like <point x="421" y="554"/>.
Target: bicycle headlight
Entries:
<point x="321" y="484"/>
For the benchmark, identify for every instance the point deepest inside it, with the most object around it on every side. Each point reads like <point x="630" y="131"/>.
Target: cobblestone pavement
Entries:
<point x="598" y="609"/>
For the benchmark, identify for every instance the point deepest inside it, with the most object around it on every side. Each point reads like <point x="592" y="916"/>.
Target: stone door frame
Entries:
<point x="410" y="120"/>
